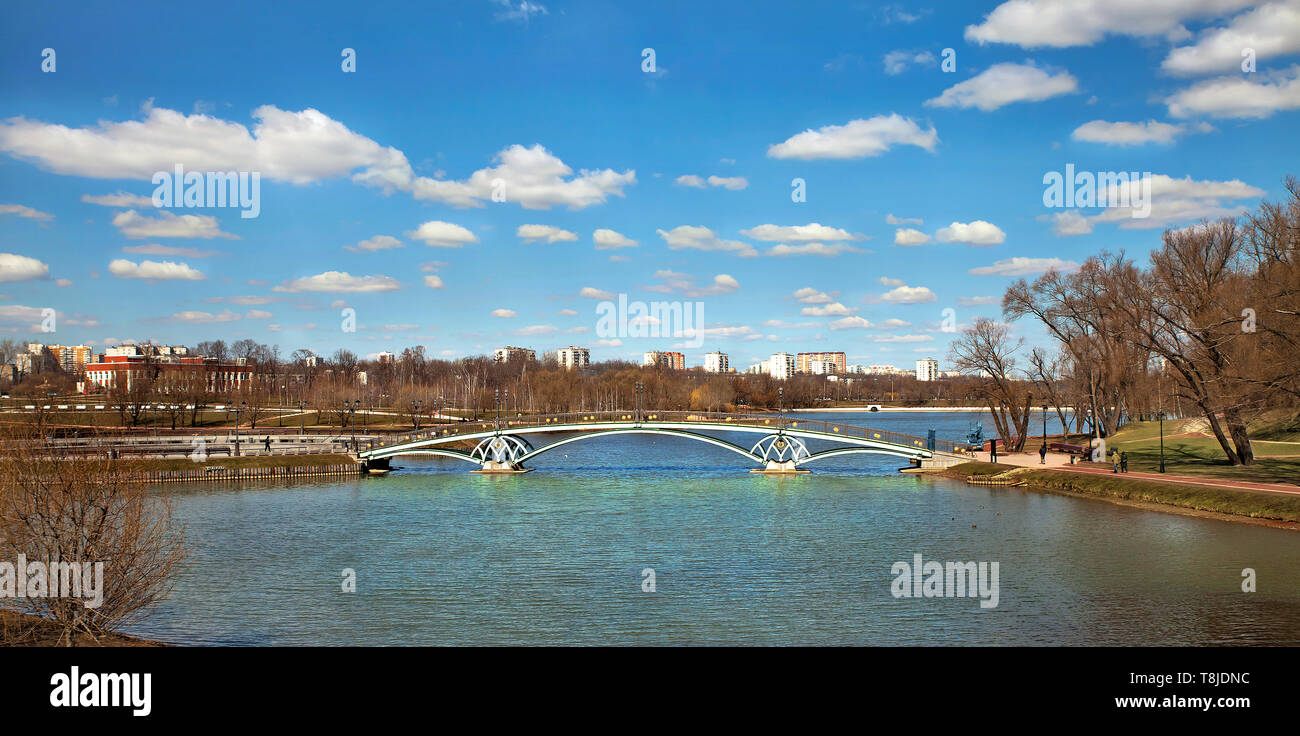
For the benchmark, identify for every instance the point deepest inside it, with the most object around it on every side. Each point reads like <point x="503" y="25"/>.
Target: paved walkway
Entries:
<point x="1059" y="461"/>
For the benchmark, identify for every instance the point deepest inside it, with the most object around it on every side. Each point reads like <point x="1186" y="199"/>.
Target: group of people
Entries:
<point x="1118" y="458"/>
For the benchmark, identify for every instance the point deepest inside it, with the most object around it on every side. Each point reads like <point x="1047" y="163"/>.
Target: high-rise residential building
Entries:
<point x="927" y="369"/>
<point x="806" y="361"/>
<point x="675" y="361"/>
<point x="510" y="353"/>
<point x="385" y="357"/>
<point x="71" y="358"/>
<point x="716" y="362"/>
<point x="781" y="366"/>
<point x="573" y="357"/>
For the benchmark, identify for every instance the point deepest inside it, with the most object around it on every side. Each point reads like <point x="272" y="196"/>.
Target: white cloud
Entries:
<point x="168" y="225"/>
<point x="607" y="239"/>
<point x="811" y="249"/>
<point x="24" y="211"/>
<point x="118" y="199"/>
<point x="155" y="249"/>
<point x="503" y="313"/>
<point x="813" y="231"/>
<point x="379" y="242"/>
<point x="439" y="234"/>
<point x="257" y="314"/>
<point x="902" y="338"/>
<point x="690" y="180"/>
<point x="978" y="301"/>
<point x="910" y="237"/>
<point x="1021" y="266"/>
<point x="1132" y="134"/>
<point x="153" y="270"/>
<point x="887" y="281"/>
<point x="1272" y="29"/>
<point x="896" y="62"/>
<point x="734" y="183"/>
<point x="536" y="330"/>
<point x="340" y="282"/>
<point x="1173" y="201"/>
<point x="977" y="232"/>
<point x="680" y="282"/>
<point x="590" y="292"/>
<point x="702" y="238"/>
<point x="205" y="318"/>
<point x="908" y="295"/>
<point x="833" y="309"/>
<point x="14" y="267"/>
<point x="521" y="13"/>
<point x="850" y="323"/>
<point x="433" y="282"/>
<point x="549" y="233"/>
<point x="1235" y="96"/>
<point x="298" y="147"/>
<point x="809" y="295"/>
<point x="533" y="178"/>
<point x="1062" y="23"/>
<point x="1070" y="223"/>
<point x="856" y="139"/>
<point x="1004" y="84"/>
<point x="567" y="313"/>
<point x="891" y="220"/>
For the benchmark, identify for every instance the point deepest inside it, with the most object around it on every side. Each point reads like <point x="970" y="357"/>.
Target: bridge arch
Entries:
<point x="643" y="430"/>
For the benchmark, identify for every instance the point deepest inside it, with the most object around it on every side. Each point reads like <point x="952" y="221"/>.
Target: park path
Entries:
<point x="1058" y="461"/>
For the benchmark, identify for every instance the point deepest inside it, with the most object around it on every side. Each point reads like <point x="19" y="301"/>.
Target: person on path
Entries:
<point x="1042" y="454"/>
<point x="1123" y="462"/>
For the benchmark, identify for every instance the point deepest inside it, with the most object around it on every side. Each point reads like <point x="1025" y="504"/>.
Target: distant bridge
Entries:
<point x="501" y="446"/>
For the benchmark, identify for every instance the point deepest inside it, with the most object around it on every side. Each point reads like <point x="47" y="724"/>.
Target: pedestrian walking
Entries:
<point x="993" y="451"/>
<point x="1042" y="454"/>
<point x="1114" y="458"/>
<point x="268" y="443"/>
<point x="1123" y="462"/>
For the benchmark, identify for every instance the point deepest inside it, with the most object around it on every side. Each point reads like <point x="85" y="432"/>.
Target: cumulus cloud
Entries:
<point x="503" y="313"/>
<point x="339" y="282"/>
<point x="684" y="284"/>
<point x="978" y="301"/>
<point x="168" y="225"/>
<point x="1234" y="96"/>
<point x="734" y="183"/>
<point x="118" y="199"/>
<point x="702" y="238"/>
<point x="833" y="309"/>
<point x="908" y="295"/>
<point x="856" y="139"/>
<point x="1004" y="84"/>
<point x="1272" y="29"/>
<point x="205" y="318"/>
<point x="590" y="292"/>
<point x="1173" y="201"/>
<point x="891" y="220"/>
<point x="301" y="148"/>
<point x="813" y="231"/>
<point x="809" y="295"/>
<point x="607" y="239"/>
<point x="379" y="242"/>
<point x="1063" y="23"/>
<point x="978" y="232"/>
<point x="825" y="250"/>
<point x="153" y="270"/>
<point x="24" y="211"/>
<point x="14" y="267"/>
<point x="1132" y="134"/>
<point x="433" y="282"/>
<point x="907" y="236"/>
<point x="439" y="234"/>
<point x="896" y="62"/>
<point x="549" y="233"/>
<point x="1021" y="266"/>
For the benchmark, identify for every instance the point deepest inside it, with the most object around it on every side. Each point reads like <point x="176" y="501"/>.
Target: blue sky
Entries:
<point x="552" y="99"/>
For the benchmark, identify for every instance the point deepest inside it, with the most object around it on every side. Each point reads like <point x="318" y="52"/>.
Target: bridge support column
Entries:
<point x="779" y="467"/>
<point x="494" y="467"/>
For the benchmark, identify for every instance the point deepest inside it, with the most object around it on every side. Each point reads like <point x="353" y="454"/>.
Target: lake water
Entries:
<point x="556" y="556"/>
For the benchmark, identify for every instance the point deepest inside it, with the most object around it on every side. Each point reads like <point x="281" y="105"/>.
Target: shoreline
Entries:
<point x="883" y="409"/>
<point x="1131" y="493"/>
<point x="19" y="629"/>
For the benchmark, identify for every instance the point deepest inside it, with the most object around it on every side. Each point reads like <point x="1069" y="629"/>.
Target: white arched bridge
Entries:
<point x="503" y="446"/>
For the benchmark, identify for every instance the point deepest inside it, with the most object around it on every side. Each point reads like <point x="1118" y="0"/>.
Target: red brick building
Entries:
<point x="115" y="371"/>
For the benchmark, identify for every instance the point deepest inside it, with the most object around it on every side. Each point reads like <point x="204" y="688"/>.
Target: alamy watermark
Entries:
<point x="59" y="579"/>
<point x="934" y="579"/>
<point x="638" y="319"/>
<point x="1100" y="189"/>
<point x="182" y="188"/>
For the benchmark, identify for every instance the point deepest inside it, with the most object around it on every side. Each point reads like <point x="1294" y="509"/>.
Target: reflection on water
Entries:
<point x="555" y="557"/>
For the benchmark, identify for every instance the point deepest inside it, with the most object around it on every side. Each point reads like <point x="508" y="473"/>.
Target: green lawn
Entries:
<point x="1275" y="462"/>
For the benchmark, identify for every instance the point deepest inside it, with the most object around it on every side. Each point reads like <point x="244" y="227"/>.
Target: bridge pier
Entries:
<point x="495" y="467"/>
<point x="780" y="467"/>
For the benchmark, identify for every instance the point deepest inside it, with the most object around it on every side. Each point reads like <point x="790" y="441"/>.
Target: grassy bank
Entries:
<point x="1189" y="450"/>
<point x="25" y="630"/>
<point x="1235" y="503"/>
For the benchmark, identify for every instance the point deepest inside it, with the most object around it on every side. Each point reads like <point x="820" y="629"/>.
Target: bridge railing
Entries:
<point x="771" y="421"/>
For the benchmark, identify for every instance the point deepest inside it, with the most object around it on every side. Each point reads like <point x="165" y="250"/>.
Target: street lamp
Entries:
<point x="415" y="413"/>
<point x="1162" y="442"/>
<point x="243" y="405"/>
<point x="780" y="405"/>
<point x="640" y="390"/>
<point x="496" y="395"/>
<point x="1042" y="458"/>
<point x="302" y="407"/>
<point x="351" y="408"/>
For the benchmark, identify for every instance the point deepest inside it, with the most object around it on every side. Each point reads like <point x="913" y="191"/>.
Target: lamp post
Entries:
<point x="242" y="406"/>
<point x="496" y="396"/>
<point x="640" y="389"/>
<point x="415" y="413"/>
<point x="351" y="408"/>
<point x="780" y="406"/>
<point x="1042" y="459"/>
<point x="1162" y="442"/>
<point x="302" y="406"/>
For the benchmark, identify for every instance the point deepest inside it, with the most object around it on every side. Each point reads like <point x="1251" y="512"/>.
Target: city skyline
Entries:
<point x="922" y="189"/>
